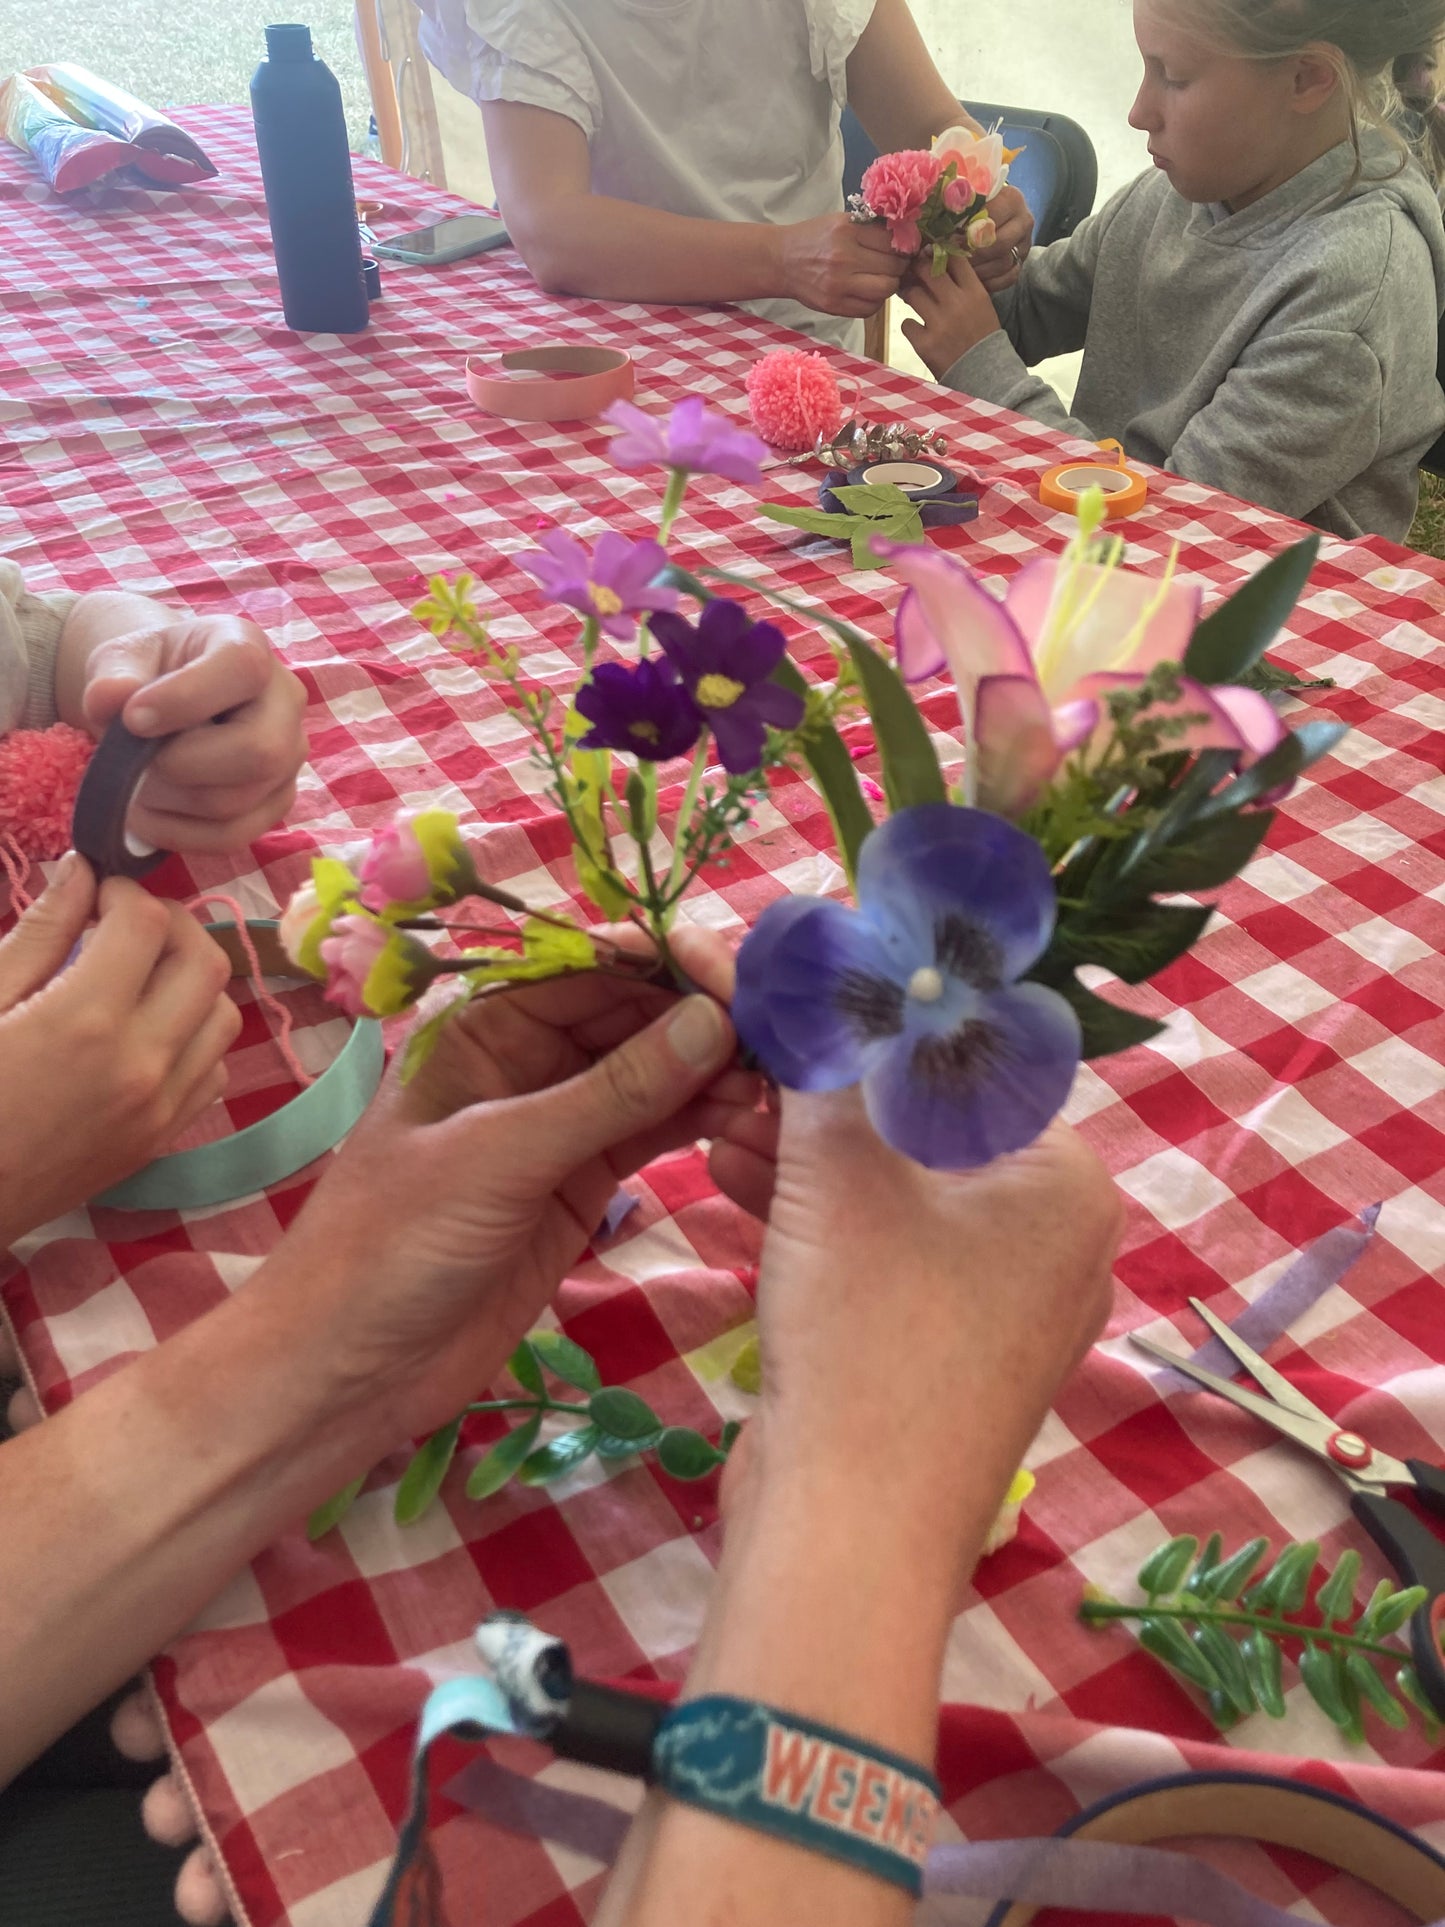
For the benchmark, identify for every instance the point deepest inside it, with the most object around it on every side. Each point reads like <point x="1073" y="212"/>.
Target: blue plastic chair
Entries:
<point x="1057" y="173"/>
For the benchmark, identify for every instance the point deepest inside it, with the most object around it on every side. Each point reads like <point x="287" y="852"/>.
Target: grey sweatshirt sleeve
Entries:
<point x="1295" y="421"/>
<point x="1045" y="313"/>
<point x="30" y="629"/>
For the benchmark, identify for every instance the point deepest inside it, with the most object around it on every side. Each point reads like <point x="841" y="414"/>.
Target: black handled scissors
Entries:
<point x="1417" y="1556"/>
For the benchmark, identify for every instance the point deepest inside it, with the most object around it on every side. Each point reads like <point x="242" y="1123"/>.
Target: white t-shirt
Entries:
<point x="723" y="109"/>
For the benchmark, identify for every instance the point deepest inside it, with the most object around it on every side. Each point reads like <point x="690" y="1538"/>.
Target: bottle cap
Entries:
<point x="288" y="43"/>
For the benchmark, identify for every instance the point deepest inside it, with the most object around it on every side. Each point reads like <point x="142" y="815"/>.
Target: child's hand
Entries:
<point x="954" y="313"/>
<point x="232" y="774"/>
<point x="104" y="1064"/>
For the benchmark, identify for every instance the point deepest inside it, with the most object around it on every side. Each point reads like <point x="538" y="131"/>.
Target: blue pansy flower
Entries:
<point x="915" y="994"/>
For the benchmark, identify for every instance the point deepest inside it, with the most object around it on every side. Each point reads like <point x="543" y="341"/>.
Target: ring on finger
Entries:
<point x="1018" y="259"/>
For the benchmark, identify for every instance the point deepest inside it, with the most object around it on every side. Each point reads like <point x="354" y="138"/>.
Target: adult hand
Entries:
<point x="919" y="1318"/>
<point x="465" y="1196"/>
<point x="839" y="266"/>
<point x="103" y="1064"/>
<point x="954" y="314"/>
<point x="216" y="684"/>
<point x="998" y="266"/>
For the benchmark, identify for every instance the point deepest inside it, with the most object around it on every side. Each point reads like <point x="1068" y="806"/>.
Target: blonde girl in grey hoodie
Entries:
<point x="1259" y="311"/>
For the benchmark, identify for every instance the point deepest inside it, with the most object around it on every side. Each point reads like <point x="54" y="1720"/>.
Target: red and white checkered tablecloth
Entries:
<point x="159" y="427"/>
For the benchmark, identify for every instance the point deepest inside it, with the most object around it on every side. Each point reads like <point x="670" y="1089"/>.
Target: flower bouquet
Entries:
<point x="937" y="197"/>
<point x="1112" y="761"/>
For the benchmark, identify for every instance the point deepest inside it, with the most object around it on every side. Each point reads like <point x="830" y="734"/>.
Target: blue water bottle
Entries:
<point x="306" y="172"/>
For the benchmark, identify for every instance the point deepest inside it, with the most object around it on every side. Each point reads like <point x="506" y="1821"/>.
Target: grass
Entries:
<point x="188" y="57"/>
<point x="1428" y="533"/>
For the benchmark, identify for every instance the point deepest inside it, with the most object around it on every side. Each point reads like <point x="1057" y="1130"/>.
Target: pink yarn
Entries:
<point x="40" y="772"/>
<point x="793" y="398"/>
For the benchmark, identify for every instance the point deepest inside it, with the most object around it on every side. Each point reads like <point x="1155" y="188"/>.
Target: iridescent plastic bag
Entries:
<point x="79" y="128"/>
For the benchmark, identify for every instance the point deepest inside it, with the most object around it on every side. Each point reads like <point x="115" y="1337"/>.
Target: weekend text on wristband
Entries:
<point x="809" y="1784"/>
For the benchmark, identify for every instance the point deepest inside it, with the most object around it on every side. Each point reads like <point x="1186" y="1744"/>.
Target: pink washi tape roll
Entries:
<point x="552" y="384"/>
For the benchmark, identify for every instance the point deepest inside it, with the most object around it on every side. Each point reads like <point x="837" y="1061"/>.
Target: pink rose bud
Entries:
<point x="395" y="868"/>
<point x="981" y="232"/>
<point x="350" y="953"/>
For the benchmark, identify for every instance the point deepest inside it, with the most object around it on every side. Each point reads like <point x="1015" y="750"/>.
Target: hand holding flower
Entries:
<point x="954" y="314"/>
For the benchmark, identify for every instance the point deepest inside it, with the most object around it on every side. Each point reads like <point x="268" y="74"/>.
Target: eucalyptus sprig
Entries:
<point x="608" y="1422"/>
<point x="1194" y="1602"/>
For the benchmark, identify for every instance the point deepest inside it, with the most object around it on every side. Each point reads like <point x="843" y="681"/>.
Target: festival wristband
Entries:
<point x="570" y="383"/>
<point x="802" y="1782"/>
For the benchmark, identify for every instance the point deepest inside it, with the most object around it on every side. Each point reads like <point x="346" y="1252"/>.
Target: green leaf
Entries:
<point x="879" y="501"/>
<point x="1373" y="1690"/>
<point x="1228" y="1580"/>
<point x="1205" y="1564"/>
<point x="1225" y="1657"/>
<point x="1167" y="1640"/>
<point x="1365" y="1624"/>
<point x="641" y="799"/>
<point x="1317" y="1670"/>
<point x="423" y="1040"/>
<point x="1283" y="1587"/>
<point x="898" y="528"/>
<point x="728" y="1436"/>
<point x="526" y="1368"/>
<point x="910" y="766"/>
<point x="1233" y="637"/>
<point x="1205" y="853"/>
<point x="559" y="1455"/>
<point x="1397" y="1609"/>
<point x="1104" y="1026"/>
<point x="1349" y="1692"/>
<point x="1222" y="1710"/>
<point x="838" y="528"/>
<point x="685" y="1454"/>
<point x="609" y="1447"/>
<point x="1407" y="1682"/>
<point x="334" y="1510"/>
<point x="1268" y="678"/>
<point x="1262" y="1662"/>
<point x="622" y="1413"/>
<point x="836" y="775"/>
<point x="1337" y="1595"/>
<point x="1135" y="944"/>
<point x="1163" y="1571"/>
<point x="492" y="1472"/>
<point x="566" y="1361"/>
<point x="422" y="1479"/>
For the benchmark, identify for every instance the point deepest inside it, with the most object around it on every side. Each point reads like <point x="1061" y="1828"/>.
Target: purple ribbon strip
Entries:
<point x="1316" y="1271"/>
<point x="1094" y="1876"/>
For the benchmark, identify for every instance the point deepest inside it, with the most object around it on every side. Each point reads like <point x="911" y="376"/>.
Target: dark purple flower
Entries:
<point x="612" y="584"/>
<point x="692" y="438"/>
<point x="644" y="709"/>
<point x="726" y="663"/>
<point x="915" y="995"/>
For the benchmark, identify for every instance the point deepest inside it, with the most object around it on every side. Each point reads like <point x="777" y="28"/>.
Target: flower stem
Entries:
<point x="524" y="1405"/>
<point x="590" y="633"/>
<point x="684" y="817"/>
<point x="1237" y="1616"/>
<point x="671" y="502"/>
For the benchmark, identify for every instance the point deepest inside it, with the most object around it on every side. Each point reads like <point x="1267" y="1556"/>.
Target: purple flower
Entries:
<point x="915" y="995"/>
<point x="612" y="584"/>
<point x="644" y="709"/>
<point x="725" y="664"/>
<point x="692" y="438"/>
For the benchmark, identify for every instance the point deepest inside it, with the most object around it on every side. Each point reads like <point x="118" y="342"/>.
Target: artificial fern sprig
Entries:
<point x="1190" y="1602"/>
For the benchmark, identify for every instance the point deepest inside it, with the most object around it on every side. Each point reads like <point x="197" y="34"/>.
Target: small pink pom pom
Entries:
<point x="794" y="398"/>
<point x="40" y="772"/>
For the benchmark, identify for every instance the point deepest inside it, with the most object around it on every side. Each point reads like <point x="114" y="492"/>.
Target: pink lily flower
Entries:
<point x="1033" y="670"/>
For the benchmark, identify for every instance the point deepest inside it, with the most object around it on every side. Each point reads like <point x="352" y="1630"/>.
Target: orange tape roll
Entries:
<point x="1125" y="489"/>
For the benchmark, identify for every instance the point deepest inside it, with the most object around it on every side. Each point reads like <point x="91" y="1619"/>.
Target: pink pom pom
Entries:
<point x="794" y="398"/>
<point x="40" y="772"/>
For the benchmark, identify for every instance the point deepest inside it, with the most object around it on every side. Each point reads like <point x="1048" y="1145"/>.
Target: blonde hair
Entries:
<point x="1373" y="45"/>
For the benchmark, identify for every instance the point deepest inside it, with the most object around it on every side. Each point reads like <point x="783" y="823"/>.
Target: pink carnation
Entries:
<point x="896" y="187"/>
<point x="395" y="869"/>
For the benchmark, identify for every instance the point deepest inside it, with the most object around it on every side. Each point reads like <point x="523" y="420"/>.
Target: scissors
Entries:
<point x="1417" y="1556"/>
